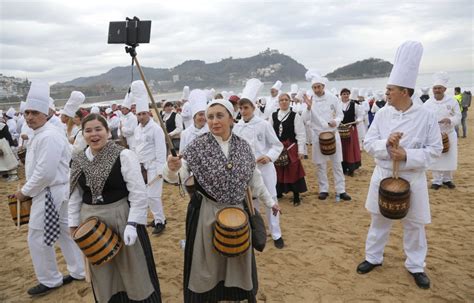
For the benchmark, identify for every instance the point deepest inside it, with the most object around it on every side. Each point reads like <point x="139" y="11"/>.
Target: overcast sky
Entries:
<point x="63" y="40"/>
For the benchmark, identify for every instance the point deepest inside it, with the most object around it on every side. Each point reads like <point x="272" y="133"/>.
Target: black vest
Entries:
<point x="381" y="103"/>
<point x="288" y="127"/>
<point x="170" y="123"/>
<point x="114" y="190"/>
<point x="424" y="98"/>
<point x="349" y="114"/>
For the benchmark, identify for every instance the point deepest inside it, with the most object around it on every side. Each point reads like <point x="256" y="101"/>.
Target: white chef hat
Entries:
<point x="140" y="96"/>
<point x="197" y="101"/>
<point x="277" y="85"/>
<point x="72" y="105"/>
<point x="361" y="92"/>
<point x="185" y="94"/>
<point x="406" y="64"/>
<point x="108" y="110"/>
<point x="127" y="101"/>
<point x="225" y="103"/>
<point x="441" y="78"/>
<point x="95" y="110"/>
<point x="300" y="94"/>
<point x="294" y="88"/>
<point x="10" y="112"/>
<point x="251" y="89"/>
<point x="425" y="90"/>
<point x="38" y="97"/>
<point x="354" y="93"/>
<point x="22" y="107"/>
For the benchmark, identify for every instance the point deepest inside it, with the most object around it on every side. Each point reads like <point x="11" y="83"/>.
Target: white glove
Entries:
<point x="130" y="235"/>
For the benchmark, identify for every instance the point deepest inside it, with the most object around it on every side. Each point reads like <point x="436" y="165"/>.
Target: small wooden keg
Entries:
<point x="231" y="232"/>
<point x="394" y="196"/>
<point x="98" y="242"/>
<point x="25" y="209"/>
<point x="445" y="138"/>
<point x="327" y="143"/>
<point x="344" y="131"/>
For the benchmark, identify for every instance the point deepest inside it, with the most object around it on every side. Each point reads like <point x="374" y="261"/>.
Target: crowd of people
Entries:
<point x="111" y="163"/>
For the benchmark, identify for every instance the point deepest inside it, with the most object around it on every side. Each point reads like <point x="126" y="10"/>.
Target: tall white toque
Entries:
<point x="406" y="65"/>
<point x="38" y="97"/>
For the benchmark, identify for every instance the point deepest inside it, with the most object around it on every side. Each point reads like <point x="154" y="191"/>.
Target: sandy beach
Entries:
<point x="324" y="244"/>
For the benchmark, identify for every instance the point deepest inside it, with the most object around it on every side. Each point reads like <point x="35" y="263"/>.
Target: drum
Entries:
<point x="98" y="242"/>
<point x="189" y="185"/>
<point x="445" y="138"/>
<point x="327" y="143"/>
<point x="394" y="198"/>
<point x="231" y="232"/>
<point x="22" y="155"/>
<point x="344" y="131"/>
<point x="25" y="208"/>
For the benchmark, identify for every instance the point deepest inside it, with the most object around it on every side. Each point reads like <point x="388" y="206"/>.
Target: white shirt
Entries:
<point x="187" y="115"/>
<point x="359" y="113"/>
<point x="129" y="123"/>
<point x="189" y="134"/>
<point x="271" y="106"/>
<point x="324" y="109"/>
<point x="256" y="183"/>
<point x="150" y="146"/>
<point x="131" y="173"/>
<point x="260" y="136"/>
<point x="79" y="143"/>
<point x="113" y="122"/>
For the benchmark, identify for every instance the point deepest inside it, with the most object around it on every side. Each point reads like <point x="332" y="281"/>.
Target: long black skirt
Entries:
<point x="219" y="292"/>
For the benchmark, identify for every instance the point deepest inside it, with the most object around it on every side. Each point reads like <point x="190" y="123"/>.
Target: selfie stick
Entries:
<point x="131" y="50"/>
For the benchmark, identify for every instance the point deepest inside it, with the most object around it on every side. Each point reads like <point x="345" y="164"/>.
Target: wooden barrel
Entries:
<point x="231" y="232"/>
<point x="445" y="138"/>
<point x="327" y="143"/>
<point x="98" y="242"/>
<point x="394" y="198"/>
<point x="22" y="155"/>
<point x="25" y="208"/>
<point x="344" y="131"/>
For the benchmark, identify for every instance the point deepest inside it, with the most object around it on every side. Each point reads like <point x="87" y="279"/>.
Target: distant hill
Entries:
<point x="269" y="65"/>
<point x="368" y="68"/>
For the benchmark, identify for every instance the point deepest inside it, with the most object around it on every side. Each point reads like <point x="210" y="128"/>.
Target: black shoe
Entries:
<point x="279" y="243"/>
<point x="158" y="229"/>
<point x="40" y="289"/>
<point x="350" y="173"/>
<point x="366" y="267"/>
<point x="323" y="195"/>
<point x="345" y="197"/>
<point x="450" y="184"/>
<point x="435" y="186"/>
<point x="279" y="196"/>
<point x="306" y="156"/>
<point x="68" y="279"/>
<point x="421" y="280"/>
<point x="296" y="199"/>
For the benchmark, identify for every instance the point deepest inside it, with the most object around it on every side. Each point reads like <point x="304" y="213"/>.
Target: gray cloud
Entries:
<point x="59" y="41"/>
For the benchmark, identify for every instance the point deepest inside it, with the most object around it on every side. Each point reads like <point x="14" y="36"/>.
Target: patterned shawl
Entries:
<point x="225" y="179"/>
<point x="96" y="171"/>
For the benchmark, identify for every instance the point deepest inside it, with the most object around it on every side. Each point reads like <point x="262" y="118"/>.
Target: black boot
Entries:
<point x="296" y="198"/>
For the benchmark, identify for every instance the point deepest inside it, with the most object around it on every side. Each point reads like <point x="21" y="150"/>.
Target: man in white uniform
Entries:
<point x="324" y="111"/>
<point x="128" y="121"/>
<point x="272" y="104"/>
<point x="408" y="133"/>
<point x="197" y="104"/>
<point x="186" y="112"/>
<point x="47" y="173"/>
<point x="447" y="111"/>
<point x="266" y="147"/>
<point x="151" y="151"/>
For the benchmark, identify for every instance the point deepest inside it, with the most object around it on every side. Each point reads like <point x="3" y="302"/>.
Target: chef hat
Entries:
<point x="441" y="78"/>
<point x="10" y="112"/>
<point x="108" y="110"/>
<point x="225" y="103"/>
<point x="197" y="101"/>
<point x="251" y="89"/>
<point x="72" y="105"/>
<point x="425" y="90"/>
<point x="127" y="101"/>
<point x="22" y="107"/>
<point x="95" y="110"/>
<point x="369" y="92"/>
<point x="185" y="95"/>
<point x="354" y="94"/>
<point x="361" y="92"/>
<point x="379" y="95"/>
<point x="140" y="96"/>
<point x="294" y="88"/>
<point x="300" y="94"/>
<point x="38" y="97"/>
<point x="406" y="64"/>
<point x="277" y="85"/>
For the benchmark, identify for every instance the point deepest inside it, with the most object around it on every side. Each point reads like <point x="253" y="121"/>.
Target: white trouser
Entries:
<point x="154" y="197"/>
<point x="273" y="221"/>
<point x="44" y="257"/>
<point x="440" y="176"/>
<point x="414" y="242"/>
<point x="338" y="177"/>
<point x="309" y="134"/>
